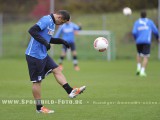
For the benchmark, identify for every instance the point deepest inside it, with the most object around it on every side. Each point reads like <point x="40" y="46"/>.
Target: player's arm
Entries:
<point x="59" y="41"/>
<point x="134" y="31"/>
<point x="77" y="26"/>
<point x="155" y="30"/>
<point x="34" y="32"/>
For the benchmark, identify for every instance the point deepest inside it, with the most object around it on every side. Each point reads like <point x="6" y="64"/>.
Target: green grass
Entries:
<point x="107" y="82"/>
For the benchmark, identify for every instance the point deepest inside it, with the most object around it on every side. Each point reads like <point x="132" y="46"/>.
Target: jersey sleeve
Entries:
<point x="134" y="30"/>
<point x="43" y="22"/>
<point x="154" y="29"/>
<point x="76" y="27"/>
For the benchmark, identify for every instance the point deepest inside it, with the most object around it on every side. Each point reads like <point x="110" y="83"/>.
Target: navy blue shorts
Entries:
<point x="143" y="49"/>
<point x="72" y="46"/>
<point x="38" y="68"/>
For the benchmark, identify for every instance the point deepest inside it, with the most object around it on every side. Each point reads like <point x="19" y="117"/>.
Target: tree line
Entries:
<point x="75" y="6"/>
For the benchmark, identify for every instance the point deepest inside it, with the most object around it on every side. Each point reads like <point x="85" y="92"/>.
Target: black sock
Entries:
<point x="38" y="107"/>
<point x="38" y="104"/>
<point x="74" y="57"/>
<point x="67" y="88"/>
<point x="61" y="57"/>
<point x="61" y="60"/>
<point x="75" y="61"/>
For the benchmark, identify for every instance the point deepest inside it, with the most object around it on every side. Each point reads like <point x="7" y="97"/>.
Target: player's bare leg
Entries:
<point x="36" y="90"/>
<point x="63" y="82"/>
<point x="139" y="59"/>
<point x="144" y="65"/>
<point x="59" y="76"/>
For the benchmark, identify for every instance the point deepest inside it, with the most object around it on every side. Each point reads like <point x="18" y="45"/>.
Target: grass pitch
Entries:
<point x="113" y="92"/>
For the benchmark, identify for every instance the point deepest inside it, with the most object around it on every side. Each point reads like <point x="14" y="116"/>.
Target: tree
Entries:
<point x="16" y="6"/>
<point x="42" y="8"/>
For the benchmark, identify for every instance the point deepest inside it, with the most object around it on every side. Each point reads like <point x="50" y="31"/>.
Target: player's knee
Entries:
<point x="56" y="70"/>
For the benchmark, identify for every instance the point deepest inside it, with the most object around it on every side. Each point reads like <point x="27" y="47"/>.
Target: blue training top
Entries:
<point x="36" y="49"/>
<point x="67" y="31"/>
<point x="142" y="31"/>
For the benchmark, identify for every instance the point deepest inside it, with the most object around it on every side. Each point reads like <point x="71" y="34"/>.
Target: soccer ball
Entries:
<point x="127" y="11"/>
<point x="100" y="44"/>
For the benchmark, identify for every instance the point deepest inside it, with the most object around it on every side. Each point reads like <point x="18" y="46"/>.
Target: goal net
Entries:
<point x="85" y="39"/>
<point x="84" y="45"/>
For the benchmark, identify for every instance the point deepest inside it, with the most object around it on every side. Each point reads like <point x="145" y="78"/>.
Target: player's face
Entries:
<point x="60" y="20"/>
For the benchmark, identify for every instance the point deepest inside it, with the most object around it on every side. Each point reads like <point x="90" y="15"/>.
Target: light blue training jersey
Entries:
<point x="66" y="31"/>
<point x="36" y="49"/>
<point x="143" y="29"/>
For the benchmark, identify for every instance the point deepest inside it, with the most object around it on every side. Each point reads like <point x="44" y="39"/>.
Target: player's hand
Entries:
<point x="48" y="46"/>
<point x="66" y="44"/>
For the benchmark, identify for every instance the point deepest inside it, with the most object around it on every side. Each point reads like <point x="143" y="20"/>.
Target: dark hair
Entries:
<point x="143" y="14"/>
<point x="65" y="14"/>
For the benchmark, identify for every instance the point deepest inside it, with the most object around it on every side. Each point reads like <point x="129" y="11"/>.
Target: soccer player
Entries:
<point x="142" y="32"/>
<point x="68" y="31"/>
<point x="39" y="62"/>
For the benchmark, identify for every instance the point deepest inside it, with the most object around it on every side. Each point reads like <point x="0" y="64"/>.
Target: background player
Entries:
<point x="142" y="32"/>
<point x="68" y="31"/>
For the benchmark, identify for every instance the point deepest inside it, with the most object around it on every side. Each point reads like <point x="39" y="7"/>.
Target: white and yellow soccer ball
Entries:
<point x="101" y="44"/>
<point x="127" y="11"/>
